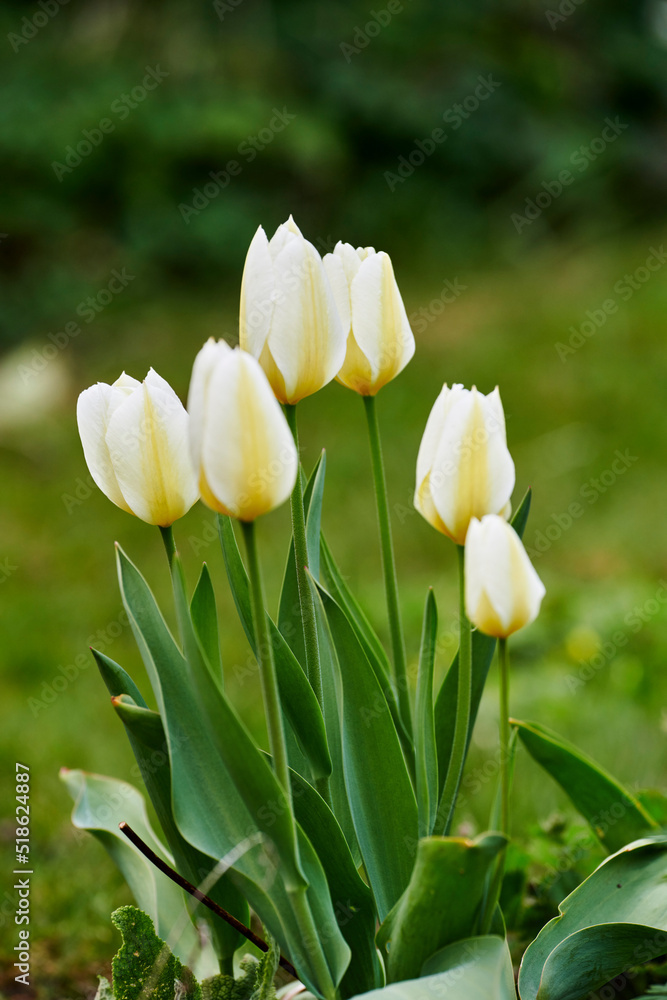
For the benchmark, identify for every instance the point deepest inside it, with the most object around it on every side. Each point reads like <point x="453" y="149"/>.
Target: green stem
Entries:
<point x="267" y="667"/>
<point x="388" y="564"/>
<point x="499" y="870"/>
<point x="169" y="543"/>
<point x="306" y="600"/>
<point x="462" y="723"/>
<point x="310" y="939"/>
<point x="503" y="660"/>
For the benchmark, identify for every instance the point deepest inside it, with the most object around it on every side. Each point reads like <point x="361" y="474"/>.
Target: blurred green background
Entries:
<point x="520" y="232"/>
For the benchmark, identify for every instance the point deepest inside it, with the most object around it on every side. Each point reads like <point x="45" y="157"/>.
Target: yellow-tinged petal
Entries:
<point x="94" y="409"/>
<point x="503" y="592"/>
<point x="249" y="459"/>
<point x="147" y="438"/>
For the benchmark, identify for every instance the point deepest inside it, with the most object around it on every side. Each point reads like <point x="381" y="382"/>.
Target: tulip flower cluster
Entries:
<point x="360" y="789"/>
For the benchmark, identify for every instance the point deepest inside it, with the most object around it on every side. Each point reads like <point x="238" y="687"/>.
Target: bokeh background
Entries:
<point x="526" y="236"/>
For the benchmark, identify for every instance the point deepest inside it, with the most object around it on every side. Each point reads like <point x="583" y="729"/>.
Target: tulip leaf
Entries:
<point x="478" y="968"/>
<point x="617" y="918"/>
<point x="101" y="803"/>
<point x="615" y="816"/>
<point x="147" y="737"/>
<point x="355" y="909"/>
<point x="446" y="869"/>
<point x="289" y="612"/>
<point x="205" y="620"/>
<point x="117" y="680"/>
<point x="426" y="761"/>
<point x="297" y="697"/>
<point x="382" y="802"/>
<point x="483" y="647"/>
<point x="211" y="809"/>
<point x="366" y="636"/>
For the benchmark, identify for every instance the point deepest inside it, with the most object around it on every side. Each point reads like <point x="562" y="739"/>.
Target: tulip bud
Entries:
<point x="240" y="441"/>
<point x="376" y="328"/>
<point x="464" y="468"/>
<point x="502" y="590"/>
<point x="135" y="441"/>
<point x="289" y="320"/>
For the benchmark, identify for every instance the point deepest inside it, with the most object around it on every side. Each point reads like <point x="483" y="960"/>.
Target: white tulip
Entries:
<point x="502" y="590"/>
<point x="288" y="319"/>
<point x="240" y="441"/>
<point x="464" y="468"/>
<point x="135" y="442"/>
<point x="377" y="332"/>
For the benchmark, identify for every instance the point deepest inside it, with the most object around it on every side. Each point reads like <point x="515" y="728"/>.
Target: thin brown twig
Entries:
<point x="127" y="830"/>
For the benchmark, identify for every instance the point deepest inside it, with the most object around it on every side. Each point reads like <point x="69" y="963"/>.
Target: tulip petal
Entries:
<point x="202" y="370"/>
<point x="248" y="452"/>
<point x="473" y="472"/>
<point x="306" y="338"/>
<point x="147" y="438"/>
<point x="94" y="409"/>
<point x="258" y="294"/>
<point x="379" y="320"/>
<point x="340" y="286"/>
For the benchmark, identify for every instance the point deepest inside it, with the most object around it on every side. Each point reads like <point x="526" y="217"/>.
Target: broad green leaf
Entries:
<point x="144" y="965"/>
<point x="297" y="697"/>
<point x="446" y="868"/>
<point x="615" y="816"/>
<point x="149" y="743"/>
<point x="355" y="910"/>
<point x="211" y="811"/>
<point x="616" y="919"/>
<point x="426" y="761"/>
<point x="100" y="804"/>
<point x="289" y="613"/>
<point x="236" y="752"/>
<point x="655" y="804"/>
<point x="205" y="620"/>
<point x="483" y="647"/>
<point x="366" y="636"/>
<point x="380" y="793"/>
<point x="478" y="968"/>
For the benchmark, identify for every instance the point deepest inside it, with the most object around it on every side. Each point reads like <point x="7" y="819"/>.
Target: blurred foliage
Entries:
<point x="364" y="85"/>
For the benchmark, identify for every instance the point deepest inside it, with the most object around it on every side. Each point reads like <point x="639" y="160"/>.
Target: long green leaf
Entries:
<point x="483" y="647"/>
<point x="149" y="743"/>
<point x="289" y="613"/>
<point x="366" y="636"/>
<point x="617" y="918"/>
<point x="205" y="620"/>
<point x="355" y="910"/>
<point x="380" y="793"/>
<point x="426" y="760"/>
<point x="478" y="968"/>
<point x="615" y="816"/>
<point x="100" y="804"/>
<point x="296" y="695"/>
<point x="209" y="809"/>
<point x="447" y="869"/>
